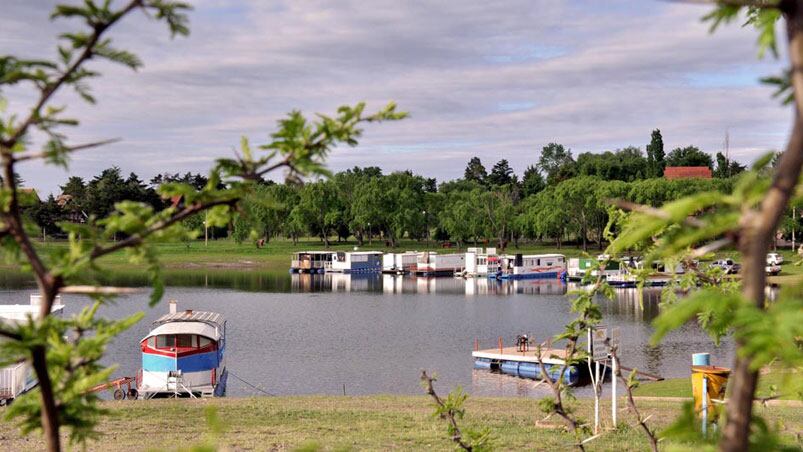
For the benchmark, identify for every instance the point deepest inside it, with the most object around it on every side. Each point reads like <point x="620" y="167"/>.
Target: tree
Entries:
<point x="475" y="171"/>
<point x="727" y="168"/>
<point x="655" y="155"/>
<point x="501" y="174"/>
<point x="689" y="156"/>
<point x="532" y="182"/>
<point x="66" y="353"/>
<point x="557" y="163"/>
<point x="626" y="164"/>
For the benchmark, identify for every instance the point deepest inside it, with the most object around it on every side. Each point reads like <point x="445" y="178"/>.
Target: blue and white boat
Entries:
<point x="356" y="262"/>
<point x="183" y="356"/>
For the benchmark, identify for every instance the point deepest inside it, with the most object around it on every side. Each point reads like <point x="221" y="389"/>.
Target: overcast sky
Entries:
<point x="496" y="79"/>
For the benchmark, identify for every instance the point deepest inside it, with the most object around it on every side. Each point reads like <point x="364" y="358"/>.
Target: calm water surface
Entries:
<point x="305" y="334"/>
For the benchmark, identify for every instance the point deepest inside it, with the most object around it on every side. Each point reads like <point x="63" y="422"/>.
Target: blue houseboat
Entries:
<point x="183" y="356"/>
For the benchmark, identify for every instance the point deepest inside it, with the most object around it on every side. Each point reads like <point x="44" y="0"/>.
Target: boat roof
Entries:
<point x="543" y="255"/>
<point x="19" y="312"/>
<point x="213" y="319"/>
<point x="199" y="328"/>
<point x="313" y="252"/>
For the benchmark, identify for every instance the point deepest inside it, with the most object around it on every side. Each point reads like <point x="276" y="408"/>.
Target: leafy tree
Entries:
<point x="557" y="163"/>
<point x="689" y="156"/>
<point x="501" y="174"/>
<point x="66" y="353"/>
<point x="475" y="171"/>
<point x="196" y="180"/>
<point x="655" y="155"/>
<point x="532" y="182"/>
<point x="626" y="164"/>
<point x="320" y="208"/>
<point x="727" y="168"/>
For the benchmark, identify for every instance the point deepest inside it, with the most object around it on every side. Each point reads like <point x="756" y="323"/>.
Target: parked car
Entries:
<point x="772" y="270"/>
<point x="774" y="259"/>
<point x="728" y="266"/>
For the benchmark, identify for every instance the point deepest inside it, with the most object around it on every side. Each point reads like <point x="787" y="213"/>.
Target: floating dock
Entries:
<point x="524" y="362"/>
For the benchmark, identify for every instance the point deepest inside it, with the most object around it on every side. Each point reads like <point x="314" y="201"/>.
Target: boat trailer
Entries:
<point x="118" y="384"/>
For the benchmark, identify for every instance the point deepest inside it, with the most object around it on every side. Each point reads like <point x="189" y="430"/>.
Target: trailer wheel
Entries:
<point x="132" y="394"/>
<point x="119" y="394"/>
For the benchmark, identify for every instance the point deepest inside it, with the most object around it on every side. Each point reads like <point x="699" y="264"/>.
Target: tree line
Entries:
<point x="558" y="199"/>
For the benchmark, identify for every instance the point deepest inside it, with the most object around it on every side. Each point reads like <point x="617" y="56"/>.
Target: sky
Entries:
<point x="493" y="79"/>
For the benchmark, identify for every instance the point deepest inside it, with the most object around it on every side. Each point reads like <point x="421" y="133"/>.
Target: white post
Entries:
<point x="614" y="369"/>
<point x="206" y="228"/>
<point x="597" y="390"/>
<point x="794" y="219"/>
<point x="705" y="405"/>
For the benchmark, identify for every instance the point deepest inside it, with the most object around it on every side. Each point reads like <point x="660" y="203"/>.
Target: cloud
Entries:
<point x="493" y="79"/>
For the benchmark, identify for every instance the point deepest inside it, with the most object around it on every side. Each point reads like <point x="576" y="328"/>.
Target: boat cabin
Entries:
<point x="356" y="262"/>
<point x="534" y="266"/>
<point x="311" y="261"/>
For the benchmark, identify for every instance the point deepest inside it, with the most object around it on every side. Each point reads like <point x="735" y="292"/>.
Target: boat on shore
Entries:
<point x="183" y="356"/>
<point x="19" y="377"/>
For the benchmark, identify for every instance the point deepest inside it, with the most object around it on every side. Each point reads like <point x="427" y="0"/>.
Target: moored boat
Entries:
<point x="183" y="356"/>
<point x="311" y="261"/>
<point x="534" y="266"/>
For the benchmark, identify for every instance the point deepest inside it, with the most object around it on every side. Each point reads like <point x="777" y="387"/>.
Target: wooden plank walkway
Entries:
<point x="549" y="355"/>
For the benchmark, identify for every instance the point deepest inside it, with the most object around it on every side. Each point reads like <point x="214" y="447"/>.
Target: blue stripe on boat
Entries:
<point x="192" y="363"/>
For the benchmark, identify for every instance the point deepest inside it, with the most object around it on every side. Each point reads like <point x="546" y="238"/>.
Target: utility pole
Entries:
<point x="727" y="150"/>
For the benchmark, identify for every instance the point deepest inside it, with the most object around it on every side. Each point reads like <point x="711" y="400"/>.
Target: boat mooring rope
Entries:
<point x="251" y="385"/>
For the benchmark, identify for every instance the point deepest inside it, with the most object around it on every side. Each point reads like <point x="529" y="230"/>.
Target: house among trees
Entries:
<point x="687" y="172"/>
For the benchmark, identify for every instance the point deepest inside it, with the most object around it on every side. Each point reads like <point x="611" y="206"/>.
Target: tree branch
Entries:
<point x="653" y="212"/>
<point x="136" y="239"/>
<point x="48" y="91"/>
<point x="67" y="149"/>
<point x="447" y="414"/>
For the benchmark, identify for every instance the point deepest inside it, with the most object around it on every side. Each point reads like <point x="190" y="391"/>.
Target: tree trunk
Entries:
<point x="50" y="419"/>
<point x="758" y="230"/>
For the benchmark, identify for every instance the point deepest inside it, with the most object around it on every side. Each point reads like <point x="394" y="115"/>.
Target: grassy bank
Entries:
<point x="768" y="385"/>
<point x="356" y="423"/>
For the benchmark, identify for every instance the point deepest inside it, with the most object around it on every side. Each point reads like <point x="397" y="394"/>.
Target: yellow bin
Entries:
<point x="717" y="382"/>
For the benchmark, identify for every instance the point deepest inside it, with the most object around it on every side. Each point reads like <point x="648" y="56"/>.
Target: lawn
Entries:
<point x="379" y="422"/>
<point x="769" y="384"/>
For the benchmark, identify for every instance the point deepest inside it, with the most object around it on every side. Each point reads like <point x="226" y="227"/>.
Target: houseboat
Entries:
<point x="311" y="261"/>
<point x="432" y="264"/>
<point x="481" y="262"/>
<point x="533" y="266"/>
<point x="399" y="263"/>
<point x="19" y="377"/>
<point x="183" y="356"/>
<point x="356" y="262"/>
<point x="578" y="267"/>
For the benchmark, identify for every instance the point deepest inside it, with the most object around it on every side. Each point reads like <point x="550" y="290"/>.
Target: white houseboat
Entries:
<point x="183" y="356"/>
<point x="431" y="264"/>
<point x="356" y="262"/>
<point x="399" y="263"/>
<point x="311" y="261"/>
<point x="481" y="262"/>
<point x="533" y="266"/>
<point x="19" y="378"/>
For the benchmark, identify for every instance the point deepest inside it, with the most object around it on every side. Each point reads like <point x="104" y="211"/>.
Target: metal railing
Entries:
<point x="12" y="380"/>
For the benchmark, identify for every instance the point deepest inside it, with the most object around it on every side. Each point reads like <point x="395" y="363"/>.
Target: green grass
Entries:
<point x="379" y="422"/>
<point x="227" y="253"/>
<point x="681" y="387"/>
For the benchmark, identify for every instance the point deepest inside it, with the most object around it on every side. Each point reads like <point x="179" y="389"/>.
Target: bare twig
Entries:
<point x="447" y="414"/>
<point x="67" y="149"/>
<point x="651" y="435"/>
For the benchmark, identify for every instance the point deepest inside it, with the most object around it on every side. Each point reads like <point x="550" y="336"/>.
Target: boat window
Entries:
<point x="203" y="341"/>
<point x="152" y="342"/>
<point x="185" y="340"/>
<point x="165" y="341"/>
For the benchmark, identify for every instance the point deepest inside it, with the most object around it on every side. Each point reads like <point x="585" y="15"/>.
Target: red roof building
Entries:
<point x="687" y="172"/>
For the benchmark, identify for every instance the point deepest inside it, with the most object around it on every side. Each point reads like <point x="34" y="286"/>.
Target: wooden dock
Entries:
<point x="549" y="355"/>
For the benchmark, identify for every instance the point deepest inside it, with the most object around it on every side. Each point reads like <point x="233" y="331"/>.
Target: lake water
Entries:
<point x="304" y="334"/>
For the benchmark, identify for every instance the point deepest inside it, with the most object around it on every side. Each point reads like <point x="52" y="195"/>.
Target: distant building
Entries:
<point x="687" y="172"/>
